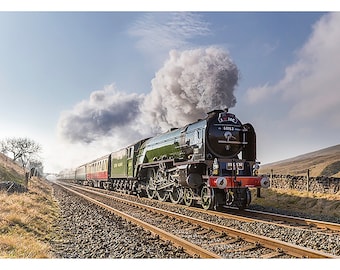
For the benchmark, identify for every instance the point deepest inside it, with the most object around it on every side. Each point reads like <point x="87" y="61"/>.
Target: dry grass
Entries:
<point x="296" y="201"/>
<point x="26" y="222"/>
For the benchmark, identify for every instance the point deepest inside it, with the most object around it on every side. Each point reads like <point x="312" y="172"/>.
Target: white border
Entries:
<point x="174" y="5"/>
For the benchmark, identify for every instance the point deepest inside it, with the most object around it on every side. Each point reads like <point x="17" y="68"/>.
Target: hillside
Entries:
<point x="10" y="171"/>
<point x="322" y="162"/>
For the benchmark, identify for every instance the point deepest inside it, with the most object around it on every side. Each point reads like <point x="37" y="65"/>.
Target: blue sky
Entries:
<point x="55" y="66"/>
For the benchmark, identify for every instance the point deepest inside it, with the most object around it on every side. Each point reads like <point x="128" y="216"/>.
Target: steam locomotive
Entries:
<point x="211" y="162"/>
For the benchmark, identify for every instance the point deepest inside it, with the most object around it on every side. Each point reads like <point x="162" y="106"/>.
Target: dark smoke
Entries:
<point x="107" y="112"/>
<point x="190" y="84"/>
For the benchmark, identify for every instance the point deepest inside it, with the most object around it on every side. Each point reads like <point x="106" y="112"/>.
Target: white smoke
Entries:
<point x="190" y="84"/>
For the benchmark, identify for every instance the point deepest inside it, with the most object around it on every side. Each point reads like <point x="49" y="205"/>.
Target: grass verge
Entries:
<point x="26" y="222"/>
<point x="296" y="201"/>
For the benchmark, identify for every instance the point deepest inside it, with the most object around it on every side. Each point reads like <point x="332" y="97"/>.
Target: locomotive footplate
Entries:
<point x="223" y="182"/>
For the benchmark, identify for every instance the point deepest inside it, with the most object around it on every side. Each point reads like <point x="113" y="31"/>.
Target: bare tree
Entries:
<point x="3" y="147"/>
<point x="23" y="149"/>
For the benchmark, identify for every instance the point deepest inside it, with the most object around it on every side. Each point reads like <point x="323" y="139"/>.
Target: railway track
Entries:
<point x="197" y="237"/>
<point x="190" y="248"/>
<point x="290" y="221"/>
<point x="286" y="221"/>
<point x="247" y="215"/>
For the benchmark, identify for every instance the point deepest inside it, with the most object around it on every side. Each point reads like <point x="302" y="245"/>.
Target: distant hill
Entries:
<point x="322" y="162"/>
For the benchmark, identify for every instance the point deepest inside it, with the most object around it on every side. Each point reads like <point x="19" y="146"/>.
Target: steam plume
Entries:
<point x="190" y="84"/>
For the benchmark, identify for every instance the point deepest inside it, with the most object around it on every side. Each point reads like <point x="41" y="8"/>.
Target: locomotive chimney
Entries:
<point x="212" y="113"/>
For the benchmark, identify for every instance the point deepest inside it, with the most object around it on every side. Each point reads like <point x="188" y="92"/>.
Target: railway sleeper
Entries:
<point x="218" y="235"/>
<point x="204" y="231"/>
<point x="194" y="227"/>
<point x="228" y="242"/>
<point x="177" y="222"/>
<point x="274" y="254"/>
<point x="245" y="248"/>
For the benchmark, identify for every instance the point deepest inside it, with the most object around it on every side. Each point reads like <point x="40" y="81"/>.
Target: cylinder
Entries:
<point x="194" y="180"/>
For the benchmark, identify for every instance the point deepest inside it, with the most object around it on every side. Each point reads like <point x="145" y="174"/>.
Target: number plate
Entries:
<point x="231" y="166"/>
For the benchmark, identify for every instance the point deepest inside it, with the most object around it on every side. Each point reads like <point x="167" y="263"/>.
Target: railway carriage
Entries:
<point x="122" y="174"/>
<point x="66" y="175"/>
<point x="80" y="174"/>
<point x="97" y="172"/>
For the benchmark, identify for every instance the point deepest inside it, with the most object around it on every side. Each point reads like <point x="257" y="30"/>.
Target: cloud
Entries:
<point x="163" y="32"/>
<point x="257" y="94"/>
<point x="300" y="113"/>
<point x="309" y="88"/>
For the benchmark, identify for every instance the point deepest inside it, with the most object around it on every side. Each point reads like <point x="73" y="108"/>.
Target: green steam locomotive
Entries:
<point x="211" y="162"/>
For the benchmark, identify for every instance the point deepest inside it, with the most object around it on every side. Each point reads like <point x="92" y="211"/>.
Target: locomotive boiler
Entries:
<point x="211" y="162"/>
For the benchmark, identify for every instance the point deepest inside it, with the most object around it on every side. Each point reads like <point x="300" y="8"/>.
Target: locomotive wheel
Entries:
<point x="245" y="203"/>
<point x="150" y="192"/>
<point x="141" y="193"/>
<point x="188" y="197"/>
<point x="208" y="198"/>
<point x="176" y="196"/>
<point x="162" y="195"/>
<point x="248" y="196"/>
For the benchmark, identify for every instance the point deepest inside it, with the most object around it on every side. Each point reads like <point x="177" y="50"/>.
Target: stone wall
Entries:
<point x="12" y="187"/>
<point x="320" y="184"/>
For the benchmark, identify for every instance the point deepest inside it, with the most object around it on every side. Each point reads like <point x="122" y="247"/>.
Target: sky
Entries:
<point x="84" y="84"/>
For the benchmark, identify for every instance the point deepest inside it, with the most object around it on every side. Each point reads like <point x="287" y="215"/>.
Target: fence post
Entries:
<point x="258" y="192"/>
<point x="308" y="180"/>
<point x="271" y="178"/>
<point x="26" y="179"/>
